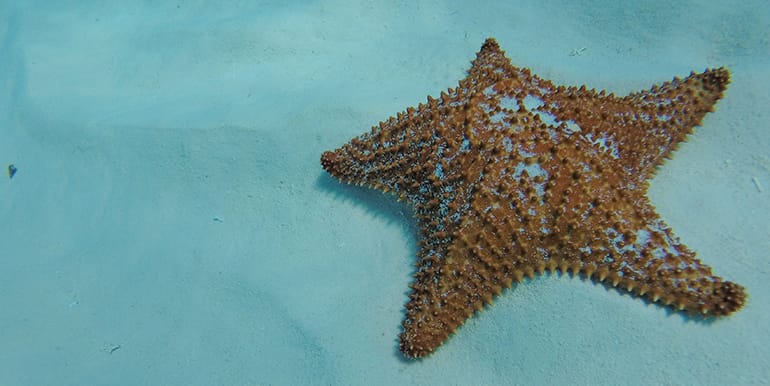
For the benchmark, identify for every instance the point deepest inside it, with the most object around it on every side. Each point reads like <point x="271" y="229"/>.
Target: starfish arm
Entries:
<point x="457" y="275"/>
<point x="643" y="128"/>
<point x="412" y="155"/>
<point x="613" y="235"/>
<point x="640" y="254"/>
<point x="383" y="159"/>
<point x="661" y="269"/>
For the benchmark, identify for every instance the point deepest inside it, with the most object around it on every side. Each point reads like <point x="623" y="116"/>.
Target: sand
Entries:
<point x="169" y="222"/>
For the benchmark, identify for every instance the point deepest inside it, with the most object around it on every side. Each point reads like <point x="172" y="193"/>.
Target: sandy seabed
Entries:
<point x="169" y="221"/>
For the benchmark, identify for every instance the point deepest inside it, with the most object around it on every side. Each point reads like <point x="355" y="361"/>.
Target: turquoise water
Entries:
<point x="169" y="222"/>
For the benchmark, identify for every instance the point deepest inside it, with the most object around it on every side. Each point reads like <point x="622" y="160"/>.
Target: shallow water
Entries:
<point x="169" y="222"/>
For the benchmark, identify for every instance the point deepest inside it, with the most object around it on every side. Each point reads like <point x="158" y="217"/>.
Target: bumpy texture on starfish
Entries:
<point x="511" y="176"/>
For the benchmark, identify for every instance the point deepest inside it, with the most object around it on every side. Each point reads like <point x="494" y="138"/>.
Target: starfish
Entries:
<point x="511" y="176"/>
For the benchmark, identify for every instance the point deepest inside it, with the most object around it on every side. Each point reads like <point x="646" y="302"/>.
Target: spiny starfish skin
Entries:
<point x="512" y="176"/>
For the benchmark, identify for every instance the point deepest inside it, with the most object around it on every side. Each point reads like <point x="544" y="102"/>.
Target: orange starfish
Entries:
<point x="510" y="176"/>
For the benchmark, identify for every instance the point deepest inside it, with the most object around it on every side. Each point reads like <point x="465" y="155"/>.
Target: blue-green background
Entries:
<point x="170" y="224"/>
